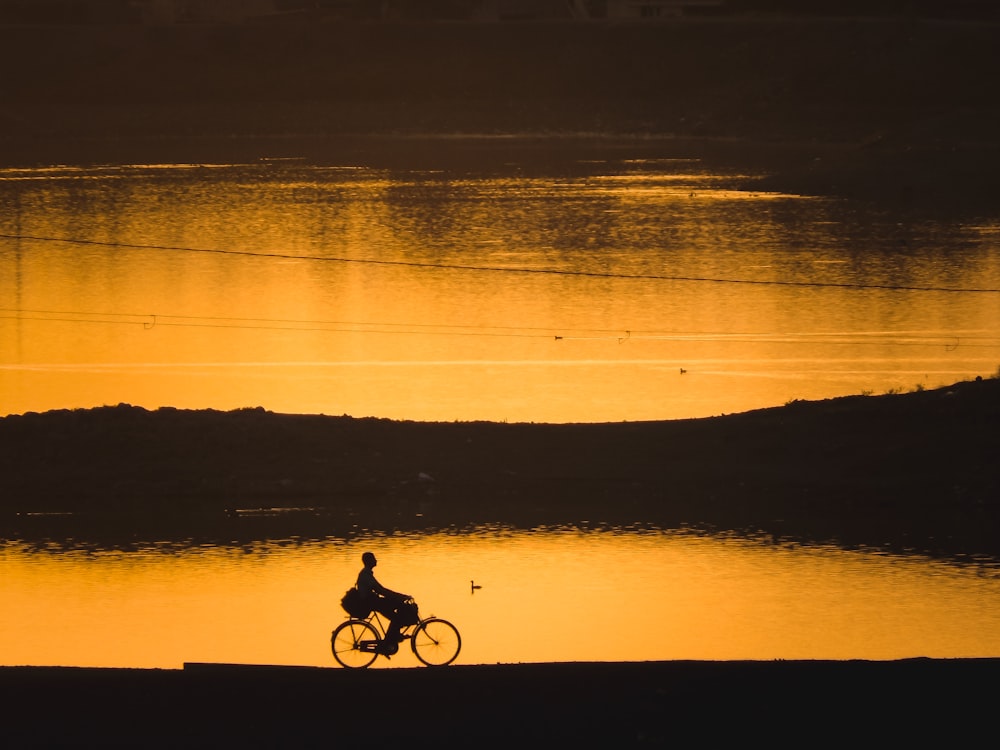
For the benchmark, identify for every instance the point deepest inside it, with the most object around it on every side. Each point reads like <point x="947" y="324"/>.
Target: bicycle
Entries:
<point x="357" y="642"/>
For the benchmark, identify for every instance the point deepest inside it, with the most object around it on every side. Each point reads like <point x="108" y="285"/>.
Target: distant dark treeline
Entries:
<point x="86" y="12"/>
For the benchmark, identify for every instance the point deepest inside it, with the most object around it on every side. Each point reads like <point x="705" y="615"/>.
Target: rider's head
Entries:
<point x="369" y="559"/>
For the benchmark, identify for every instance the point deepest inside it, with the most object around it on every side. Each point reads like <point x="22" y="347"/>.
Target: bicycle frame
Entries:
<point x="381" y="624"/>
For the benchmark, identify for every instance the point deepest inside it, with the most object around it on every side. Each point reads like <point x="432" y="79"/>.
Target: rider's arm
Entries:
<point x="367" y="583"/>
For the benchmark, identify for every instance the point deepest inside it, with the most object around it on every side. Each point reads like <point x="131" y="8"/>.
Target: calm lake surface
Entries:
<point x="547" y="595"/>
<point x="589" y="287"/>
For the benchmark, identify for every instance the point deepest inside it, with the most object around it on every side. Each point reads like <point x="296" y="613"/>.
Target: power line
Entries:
<point x="500" y="269"/>
<point x="149" y="321"/>
<point x="153" y="320"/>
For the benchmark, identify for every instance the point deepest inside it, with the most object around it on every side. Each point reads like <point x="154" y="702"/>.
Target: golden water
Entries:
<point x="588" y="290"/>
<point x="547" y="595"/>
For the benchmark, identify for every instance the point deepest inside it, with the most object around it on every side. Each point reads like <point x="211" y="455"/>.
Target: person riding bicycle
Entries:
<point x="385" y="601"/>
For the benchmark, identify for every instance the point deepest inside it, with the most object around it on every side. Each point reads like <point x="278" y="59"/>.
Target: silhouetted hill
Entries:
<point x="907" y="471"/>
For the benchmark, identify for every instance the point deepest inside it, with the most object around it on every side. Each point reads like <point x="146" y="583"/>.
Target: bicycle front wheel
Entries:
<point x="436" y="642"/>
<point x="352" y="644"/>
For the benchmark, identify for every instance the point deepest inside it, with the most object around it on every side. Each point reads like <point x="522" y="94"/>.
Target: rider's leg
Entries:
<point x="389" y="611"/>
<point x="392" y="634"/>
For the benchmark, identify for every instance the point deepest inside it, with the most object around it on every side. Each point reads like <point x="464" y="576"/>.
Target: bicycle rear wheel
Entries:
<point x="436" y="642"/>
<point x="351" y="644"/>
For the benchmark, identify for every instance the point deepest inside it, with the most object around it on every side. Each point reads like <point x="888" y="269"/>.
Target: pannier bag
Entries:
<point x="407" y="613"/>
<point x="353" y="605"/>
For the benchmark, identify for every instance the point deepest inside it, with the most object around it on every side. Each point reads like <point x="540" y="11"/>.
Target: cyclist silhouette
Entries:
<point x="382" y="600"/>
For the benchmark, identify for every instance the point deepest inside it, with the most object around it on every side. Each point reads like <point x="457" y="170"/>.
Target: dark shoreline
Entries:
<point x="781" y="703"/>
<point x="907" y="473"/>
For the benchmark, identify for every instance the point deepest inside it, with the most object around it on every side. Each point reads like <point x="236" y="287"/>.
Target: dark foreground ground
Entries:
<point x="945" y="703"/>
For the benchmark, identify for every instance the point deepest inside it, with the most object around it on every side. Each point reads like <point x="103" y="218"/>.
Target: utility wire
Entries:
<point x="149" y="321"/>
<point x="153" y="320"/>
<point x="500" y="269"/>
